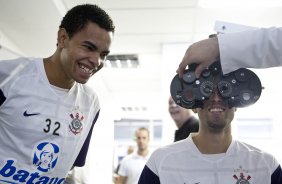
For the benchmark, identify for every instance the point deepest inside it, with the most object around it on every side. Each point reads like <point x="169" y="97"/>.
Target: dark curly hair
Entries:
<point x="78" y="17"/>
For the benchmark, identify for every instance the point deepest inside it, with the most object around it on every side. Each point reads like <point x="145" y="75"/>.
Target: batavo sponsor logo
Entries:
<point x="10" y="174"/>
<point x="45" y="156"/>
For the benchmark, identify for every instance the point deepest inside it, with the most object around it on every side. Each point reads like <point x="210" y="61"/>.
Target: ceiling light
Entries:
<point x="122" y="61"/>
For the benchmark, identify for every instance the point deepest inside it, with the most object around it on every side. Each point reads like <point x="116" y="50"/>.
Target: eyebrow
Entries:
<point x="91" y="44"/>
<point x="106" y="52"/>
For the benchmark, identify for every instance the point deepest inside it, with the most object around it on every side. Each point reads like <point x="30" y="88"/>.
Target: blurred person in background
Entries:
<point x="132" y="165"/>
<point x="184" y="120"/>
<point x="130" y="149"/>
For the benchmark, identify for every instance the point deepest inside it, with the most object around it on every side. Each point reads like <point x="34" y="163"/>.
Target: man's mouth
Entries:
<point x="216" y="109"/>
<point x="86" y="69"/>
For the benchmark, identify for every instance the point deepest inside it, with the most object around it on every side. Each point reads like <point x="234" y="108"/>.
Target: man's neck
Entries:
<point x="210" y="143"/>
<point x="143" y="153"/>
<point x="54" y="74"/>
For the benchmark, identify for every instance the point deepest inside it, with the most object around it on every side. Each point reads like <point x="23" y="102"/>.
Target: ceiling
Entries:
<point x="151" y="29"/>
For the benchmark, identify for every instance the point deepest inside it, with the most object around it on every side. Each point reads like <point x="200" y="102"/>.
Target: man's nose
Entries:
<point x="215" y="96"/>
<point x="95" y="59"/>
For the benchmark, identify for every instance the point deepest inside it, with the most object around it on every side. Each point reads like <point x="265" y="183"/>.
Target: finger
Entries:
<point x="180" y="70"/>
<point x="200" y="68"/>
<point x="182" y="66"/>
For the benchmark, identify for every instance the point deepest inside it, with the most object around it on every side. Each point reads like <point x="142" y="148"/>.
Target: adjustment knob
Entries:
<point x="189" y="77"/>
<point x="188" y="98"/>
<point x="206" y="88"/>
<point x="242" y="75"/>
<point x="206" y="73"/>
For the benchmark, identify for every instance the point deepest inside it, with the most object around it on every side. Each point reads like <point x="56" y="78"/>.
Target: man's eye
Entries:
<point x="89" y="47"/>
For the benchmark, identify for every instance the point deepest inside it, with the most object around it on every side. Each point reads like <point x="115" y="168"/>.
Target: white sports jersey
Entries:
<point x="41" y="131"/>
<point x="131" y="167"/>
<point x="182" y="163"/>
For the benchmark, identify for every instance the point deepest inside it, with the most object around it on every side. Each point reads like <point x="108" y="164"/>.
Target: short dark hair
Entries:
<point x="79" y="16"/>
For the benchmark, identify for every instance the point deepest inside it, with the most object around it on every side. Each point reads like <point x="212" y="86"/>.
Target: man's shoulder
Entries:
<point x="172" y="150"/>
<point x="170" y="155"/>
<point x="17" y="63"/>
<point x="87" y="89"/>
<point x="18" y="71"/>
<point x="254" y="155"/>
<point x="88" y="92"/>
<point x="247" y="149"/>
<point x="126" y="158"/>
<point x="127" y="161"/>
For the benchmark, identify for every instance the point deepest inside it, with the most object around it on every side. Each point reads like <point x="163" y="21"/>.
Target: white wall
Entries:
<point x="8" y="50"/>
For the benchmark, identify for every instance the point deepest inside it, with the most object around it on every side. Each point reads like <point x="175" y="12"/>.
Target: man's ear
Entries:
<point x="62" y="38"/>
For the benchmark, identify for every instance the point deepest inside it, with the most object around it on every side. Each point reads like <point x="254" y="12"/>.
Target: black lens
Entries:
<point x="224" y="88"/>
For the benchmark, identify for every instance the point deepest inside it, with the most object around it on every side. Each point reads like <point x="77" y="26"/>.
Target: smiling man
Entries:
<point x="211" y="156"/>
<point x="47" y="112"/>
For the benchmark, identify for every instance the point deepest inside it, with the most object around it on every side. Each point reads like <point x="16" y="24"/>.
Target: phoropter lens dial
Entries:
<point x="206" y="88"/>
<point x="224" y="88"/>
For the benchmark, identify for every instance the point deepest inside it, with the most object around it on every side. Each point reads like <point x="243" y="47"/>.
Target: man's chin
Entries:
<point x="217" y="127"/>
<point x="82" y="80"/>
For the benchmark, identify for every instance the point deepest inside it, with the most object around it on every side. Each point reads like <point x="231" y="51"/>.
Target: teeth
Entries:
<point x="88" y="70"/>
<point x="216" y="110"/>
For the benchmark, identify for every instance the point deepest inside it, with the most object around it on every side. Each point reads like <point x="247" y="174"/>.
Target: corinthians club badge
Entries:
<point x="76" y="125"/>
<point x="242" y="178"/>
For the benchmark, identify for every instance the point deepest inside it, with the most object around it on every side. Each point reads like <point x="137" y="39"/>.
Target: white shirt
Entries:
<point x="131" y="167"/>
<point x="41" y="131"/>
<point x="183" y="163"/>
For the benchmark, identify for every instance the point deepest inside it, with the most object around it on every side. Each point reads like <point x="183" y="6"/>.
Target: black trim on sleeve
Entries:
<point x="276" y="177"/>
<point x="2" y="97"/>
<point x="80" y="159"/>
<point x="148" y="177"/>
